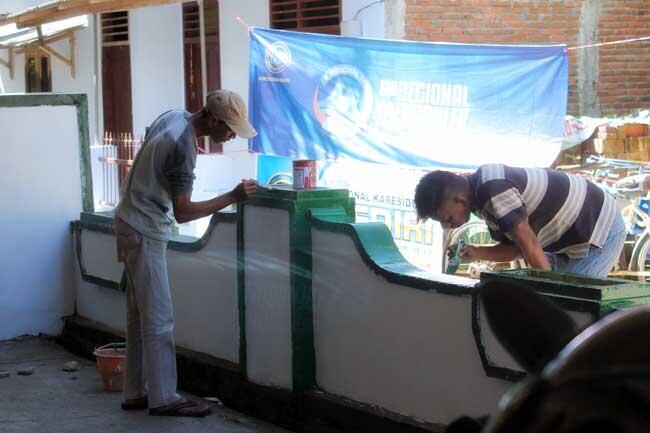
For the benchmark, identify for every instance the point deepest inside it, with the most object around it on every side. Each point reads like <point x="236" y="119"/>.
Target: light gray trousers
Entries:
<point x="150" y="350"/>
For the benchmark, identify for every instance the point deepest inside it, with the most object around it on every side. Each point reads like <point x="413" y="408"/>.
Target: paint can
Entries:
<point x="304" y="174"/>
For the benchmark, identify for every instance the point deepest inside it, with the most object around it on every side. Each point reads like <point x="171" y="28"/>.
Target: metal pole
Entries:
<point x="104" y="170"/>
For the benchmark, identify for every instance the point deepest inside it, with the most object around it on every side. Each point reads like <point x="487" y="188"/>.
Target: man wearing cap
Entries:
<point x="159" y="182"/>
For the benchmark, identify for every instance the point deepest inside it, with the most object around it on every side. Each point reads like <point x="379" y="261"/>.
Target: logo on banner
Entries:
<point x="277" y="57"/>
<point x="343" y="100"/>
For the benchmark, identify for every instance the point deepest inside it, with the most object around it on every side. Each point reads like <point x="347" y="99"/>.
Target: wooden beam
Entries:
<point x="72" y="9"/>
<point x="51" y="39"/>
<point x="73" y="63"/>
<point x="51" y="51"/>
<point x="9" y="63"/>
<point x="70" y="61"/>
<point x="77" y="3"/>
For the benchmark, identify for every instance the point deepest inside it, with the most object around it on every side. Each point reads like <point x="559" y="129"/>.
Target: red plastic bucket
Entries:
<point x="304" y="174"/>
<point x="111" y="363"/>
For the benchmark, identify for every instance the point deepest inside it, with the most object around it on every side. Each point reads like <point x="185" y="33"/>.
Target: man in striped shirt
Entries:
<point x="553" y="220"/>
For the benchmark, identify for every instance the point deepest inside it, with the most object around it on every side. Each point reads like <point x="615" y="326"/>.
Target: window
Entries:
<point x="115" y="29"/>
<point x="316" y="16"/>
<point x="38" y="72"/>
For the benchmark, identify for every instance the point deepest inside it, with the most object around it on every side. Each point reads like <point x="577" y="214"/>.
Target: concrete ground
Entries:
<point x="51" y="400"/>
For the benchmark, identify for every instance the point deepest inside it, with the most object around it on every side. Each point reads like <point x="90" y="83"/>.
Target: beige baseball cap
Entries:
<point x="231" y="108"/>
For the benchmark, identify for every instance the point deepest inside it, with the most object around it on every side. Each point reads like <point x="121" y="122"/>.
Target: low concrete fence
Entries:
<point x="302" y="298"/>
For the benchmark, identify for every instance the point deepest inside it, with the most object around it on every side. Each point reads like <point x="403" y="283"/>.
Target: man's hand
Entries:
<point x="470" y="253"/>
<point x="245" y="190"/>
<point x="186" y="210"/>
<point x="495" y="253"/>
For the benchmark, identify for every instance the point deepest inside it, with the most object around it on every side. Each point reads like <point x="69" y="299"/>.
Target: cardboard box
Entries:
<point x="635" y="130"/>
<point x="606" y="135"/>
<point x="631" y="145"/>
<point x="607" y="128"/>
<point x="636" y="156"/>
<point x="598" y="145"/>
<point x="610" y="147"/>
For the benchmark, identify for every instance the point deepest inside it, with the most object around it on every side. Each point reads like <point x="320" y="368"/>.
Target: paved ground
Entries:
<point x="51" y="400"/>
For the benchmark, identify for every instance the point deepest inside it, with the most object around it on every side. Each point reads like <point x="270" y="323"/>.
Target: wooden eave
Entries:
<point x="61" y="9"/>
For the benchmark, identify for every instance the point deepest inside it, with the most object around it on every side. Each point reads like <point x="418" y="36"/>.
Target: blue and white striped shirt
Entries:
<point x="568" y="213"/>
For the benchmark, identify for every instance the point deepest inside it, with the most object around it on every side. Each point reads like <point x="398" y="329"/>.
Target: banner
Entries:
<point x="416" y="104"/>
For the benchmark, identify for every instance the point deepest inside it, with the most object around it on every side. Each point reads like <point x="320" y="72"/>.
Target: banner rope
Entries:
<point x="578" y="47"/>
<point x="601" y="44"/>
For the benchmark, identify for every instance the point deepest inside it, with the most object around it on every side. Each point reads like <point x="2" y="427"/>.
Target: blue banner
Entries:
<point x="325" y="97"/>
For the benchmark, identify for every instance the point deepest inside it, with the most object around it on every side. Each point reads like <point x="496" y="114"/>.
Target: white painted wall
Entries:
<point x="234" y="40"/>
<point x="157" y="75"/>
<point x="205" y="297"/>
<point x="403" y="349"/>
<point x="372" y="19"/>
<point x="84" y="80"/>
<point x="203" y="286"/>
<point x="17" y="84"/>
<point x="267" y="283"/>
<point x="214" y="177"/>
<point x="36" y="253"/>
<point x="498" y="355"/>
<point x="234" y="67"/>
<point x="62" y="81"/>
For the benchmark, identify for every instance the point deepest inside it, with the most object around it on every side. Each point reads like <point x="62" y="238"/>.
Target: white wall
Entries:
<point x="203" y="286"/>
<point x="157" y="73"/>
<point x="62" y="81"/>
<point x="267" y="283"/>
<point x="372" y="19"/>
<point x="234" y="66"/>
<point x="36" y="251"/>
<point x="234" y="40"/>
<point x="84" y="80"/>
<point x="17" y="84"/>
<point x="406" y="350"/>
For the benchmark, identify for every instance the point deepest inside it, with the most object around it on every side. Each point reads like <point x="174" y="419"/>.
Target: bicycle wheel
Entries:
<point x="640" y="261"/>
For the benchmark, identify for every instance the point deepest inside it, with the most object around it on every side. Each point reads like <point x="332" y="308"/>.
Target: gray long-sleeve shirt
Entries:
<point x="163" y="169"/>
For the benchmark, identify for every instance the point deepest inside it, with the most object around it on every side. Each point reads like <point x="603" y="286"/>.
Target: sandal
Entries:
<point x="182" y="407"/>
<point x="135" y="404"/>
